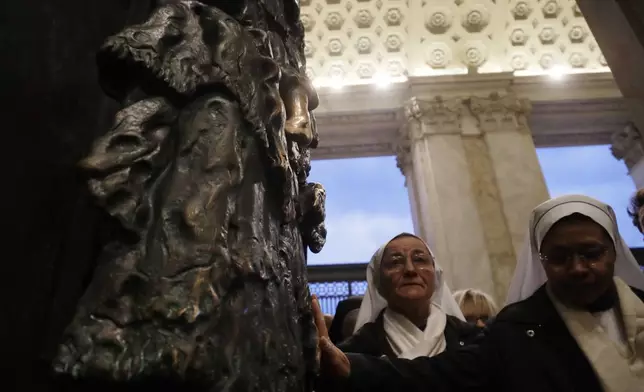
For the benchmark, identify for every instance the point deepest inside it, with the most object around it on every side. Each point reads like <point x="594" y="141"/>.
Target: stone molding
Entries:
<point x="365" y="121"/>
<point x="493" y="113"/>
<point x="356" y="150"/>
<point x="366" y="98"/>
<point x="433" y="116"/>
<point x="501" y="113"/>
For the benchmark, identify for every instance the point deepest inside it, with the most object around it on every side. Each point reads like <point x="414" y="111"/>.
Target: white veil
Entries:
<point x="373" y="303"/>
<point x="529" y="274"/>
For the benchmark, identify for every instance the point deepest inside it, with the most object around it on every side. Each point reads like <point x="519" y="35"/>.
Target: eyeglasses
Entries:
<point x="420" y="262"/>
<point x="561" y="256"/>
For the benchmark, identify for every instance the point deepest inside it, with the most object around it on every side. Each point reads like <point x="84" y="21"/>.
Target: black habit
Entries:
<point x="343" y="309"/>
<point x="527" y="348"/>
<point x="371" y="339"/>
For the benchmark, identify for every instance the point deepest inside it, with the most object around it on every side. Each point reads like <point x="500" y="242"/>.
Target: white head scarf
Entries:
<point x="529" y="274"/>
<point x="373" y="304"/>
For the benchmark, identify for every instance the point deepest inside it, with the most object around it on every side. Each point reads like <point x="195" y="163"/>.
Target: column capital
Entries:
<point x="626" y="145"/>
<point x="501" y="112"/>
<point x="435" y="116"/>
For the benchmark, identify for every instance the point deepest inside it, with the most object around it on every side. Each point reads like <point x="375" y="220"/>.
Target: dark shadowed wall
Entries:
<point x="52" y="109"/>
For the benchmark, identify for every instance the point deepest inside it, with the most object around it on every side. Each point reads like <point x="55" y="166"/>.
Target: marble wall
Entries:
<point x="489" y="204"/>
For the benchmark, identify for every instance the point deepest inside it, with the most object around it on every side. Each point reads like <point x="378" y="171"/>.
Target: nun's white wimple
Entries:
<point x="529" y="274"/>
<point x="373" y="303"/>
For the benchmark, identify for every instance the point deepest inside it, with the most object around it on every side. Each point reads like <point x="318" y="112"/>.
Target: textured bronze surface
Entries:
<point x="206" y="170"/>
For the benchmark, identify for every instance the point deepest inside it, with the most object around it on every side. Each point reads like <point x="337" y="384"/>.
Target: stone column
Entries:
<point x="476" y="178"/>
<point x="627" y="146"/>
<point x="446" y="210"/>
<point x="502" y="120"/>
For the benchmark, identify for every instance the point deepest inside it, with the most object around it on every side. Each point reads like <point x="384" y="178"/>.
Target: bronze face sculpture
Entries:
<point x="206" y="170"/>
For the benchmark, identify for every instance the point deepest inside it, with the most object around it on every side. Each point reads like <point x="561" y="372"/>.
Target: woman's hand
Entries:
<point x="333" y="362"/>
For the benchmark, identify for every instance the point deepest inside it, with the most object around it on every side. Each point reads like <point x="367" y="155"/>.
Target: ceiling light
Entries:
<point x="557" y="72"/>
<point x="336" y="83"/>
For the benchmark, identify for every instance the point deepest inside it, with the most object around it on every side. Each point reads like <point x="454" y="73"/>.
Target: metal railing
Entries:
<point x="333" y="283"/>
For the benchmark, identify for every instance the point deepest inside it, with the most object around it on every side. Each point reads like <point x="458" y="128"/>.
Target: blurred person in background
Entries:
<point x="636" y="210"/>
<point x="477" y="306"/>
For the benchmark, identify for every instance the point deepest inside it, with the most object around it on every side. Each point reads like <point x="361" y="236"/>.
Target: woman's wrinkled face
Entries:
<point x="579" y="259"/>
<point x="406" y="272"/>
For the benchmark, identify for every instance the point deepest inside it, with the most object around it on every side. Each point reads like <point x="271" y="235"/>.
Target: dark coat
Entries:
<point x="371" y="339"/>
<point x="341" y="311"/>
<point x="527" y="348"/>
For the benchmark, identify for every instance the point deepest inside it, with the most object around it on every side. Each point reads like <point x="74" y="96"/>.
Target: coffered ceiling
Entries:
<point x="353" y="42"/>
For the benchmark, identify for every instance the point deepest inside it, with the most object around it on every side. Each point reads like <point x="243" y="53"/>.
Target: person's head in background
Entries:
<point x="477" y="306"/>
<point x="636" y="210"/>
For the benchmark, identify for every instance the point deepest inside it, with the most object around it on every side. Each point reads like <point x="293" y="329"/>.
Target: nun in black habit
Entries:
<point x="344" y="320"/>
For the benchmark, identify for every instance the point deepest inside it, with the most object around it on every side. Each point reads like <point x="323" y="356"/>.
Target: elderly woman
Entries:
<point x="477" y="307"/>
<point x="408" y="310"/>
<point x="573" y="323"/>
